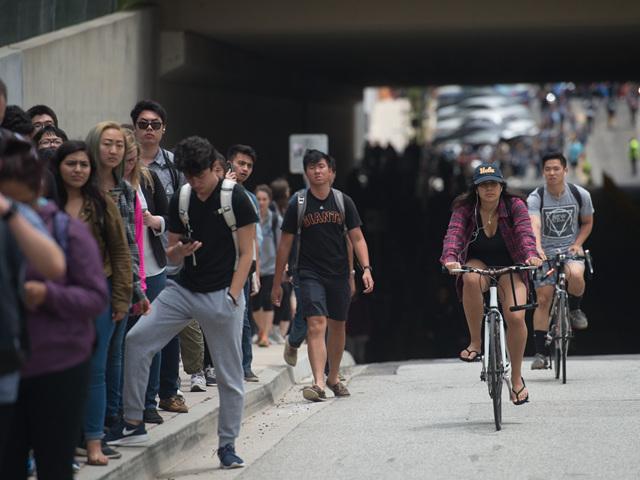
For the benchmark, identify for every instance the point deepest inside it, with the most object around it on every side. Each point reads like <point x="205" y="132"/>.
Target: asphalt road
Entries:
<point x="434" y="420"/>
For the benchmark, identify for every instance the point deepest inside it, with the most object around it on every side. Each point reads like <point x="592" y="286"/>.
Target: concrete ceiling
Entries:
<point x="407" y="43"/>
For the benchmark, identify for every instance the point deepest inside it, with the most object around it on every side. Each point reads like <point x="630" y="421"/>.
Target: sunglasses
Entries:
<point x="144" y="124"/>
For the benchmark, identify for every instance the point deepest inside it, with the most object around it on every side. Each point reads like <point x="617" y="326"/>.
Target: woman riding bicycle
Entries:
<point x="491" y="227"/>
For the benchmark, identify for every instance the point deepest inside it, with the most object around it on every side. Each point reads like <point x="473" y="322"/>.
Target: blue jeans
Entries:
<point x="97" y="395"/>
<point x="247" y="352"/>
<point x="298" y="330"/>
<point x="155" y="285"/>
<point x="115" y="369"/>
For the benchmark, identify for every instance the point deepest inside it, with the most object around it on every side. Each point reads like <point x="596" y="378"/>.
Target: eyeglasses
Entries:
<point x="144" y="124"/>
<point x="50" y="142"/>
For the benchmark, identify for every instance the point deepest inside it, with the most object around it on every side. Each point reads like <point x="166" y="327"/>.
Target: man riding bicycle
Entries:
<point x="562" y="218"/>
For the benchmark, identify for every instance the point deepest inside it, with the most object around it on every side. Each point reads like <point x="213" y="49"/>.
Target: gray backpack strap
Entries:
<point x="302" y="206"/>
<point x="576" y="194"/>
<point x="183" y="212"/>
<point x="339" y="196"/>
<point x="226" y="209"/>
<point x="540" y="192"/>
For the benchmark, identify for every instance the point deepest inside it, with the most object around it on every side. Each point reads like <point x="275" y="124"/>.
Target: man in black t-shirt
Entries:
<point x="207" y="289"/>
<point x="322" y="269"/>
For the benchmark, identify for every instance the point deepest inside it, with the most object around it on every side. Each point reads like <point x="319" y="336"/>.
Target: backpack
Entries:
<point x="301" y="201"/>
<point x="226" y="210"/>
<point x="574" y="192"/>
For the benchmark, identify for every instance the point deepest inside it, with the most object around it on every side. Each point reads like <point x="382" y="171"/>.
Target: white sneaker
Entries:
<point x="198" y="382"/>
<point x="276" y="337"/>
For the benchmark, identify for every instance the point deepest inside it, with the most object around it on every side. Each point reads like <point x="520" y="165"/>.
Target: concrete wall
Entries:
<point x="90" y="72"/>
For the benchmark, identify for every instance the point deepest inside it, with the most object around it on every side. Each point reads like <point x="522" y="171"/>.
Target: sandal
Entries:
<point x="517" y="400"/>
<point x="469" y="358"/>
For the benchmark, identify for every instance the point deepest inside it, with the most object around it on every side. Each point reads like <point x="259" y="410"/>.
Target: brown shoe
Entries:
<point x="339" y="390"/>
<point x="174" y="403"/>
<point x="290" y="354"/>
<point x="314" y="394"/>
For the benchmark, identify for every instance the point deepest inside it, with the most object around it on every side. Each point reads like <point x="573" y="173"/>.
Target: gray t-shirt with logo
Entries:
<point x="559" y="217"/>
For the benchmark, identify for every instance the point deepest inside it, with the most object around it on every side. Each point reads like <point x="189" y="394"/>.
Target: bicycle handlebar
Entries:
<point x="559" y="258"/>
<point x="497" y="272"/>
<point x="493" y="272"/>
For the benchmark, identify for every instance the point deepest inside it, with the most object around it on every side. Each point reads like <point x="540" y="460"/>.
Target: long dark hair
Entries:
<point x="90" y="190"/>
<point x="470" y="197"/>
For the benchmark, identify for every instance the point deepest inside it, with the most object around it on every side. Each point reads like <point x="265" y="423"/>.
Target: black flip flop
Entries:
<point x="517" y="394"/>
<point x="469" y="352"/>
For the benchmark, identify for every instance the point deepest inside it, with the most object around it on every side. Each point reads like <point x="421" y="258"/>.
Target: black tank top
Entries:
<point x="492" y="251"/>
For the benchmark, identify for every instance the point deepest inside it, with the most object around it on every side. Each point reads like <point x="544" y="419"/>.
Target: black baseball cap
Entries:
<point x="487" y="172"/>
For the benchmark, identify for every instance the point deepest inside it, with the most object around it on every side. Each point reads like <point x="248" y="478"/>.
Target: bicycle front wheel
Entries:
<point x="495" y="370"/>
<point x="563" y="334"/>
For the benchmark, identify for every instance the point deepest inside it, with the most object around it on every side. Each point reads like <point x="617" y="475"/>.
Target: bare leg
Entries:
<point x="94" y="453"/>
<point x="316" y="348"/>
<point x="517" y="330"/>
<point x="335" y="348"/>
<point x="473" y="286"/>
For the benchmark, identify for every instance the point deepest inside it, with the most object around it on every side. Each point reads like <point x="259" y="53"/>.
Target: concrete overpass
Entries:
<point x="256" y="71"/>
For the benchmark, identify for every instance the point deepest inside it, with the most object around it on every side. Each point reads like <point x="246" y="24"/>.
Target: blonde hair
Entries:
<point x="140" y="172"/>
<point x="93" y="143"/>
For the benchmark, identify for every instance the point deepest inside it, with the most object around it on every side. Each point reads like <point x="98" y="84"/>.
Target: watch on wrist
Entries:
<point x="6" y="216"/>
<point x="368" y="267"/>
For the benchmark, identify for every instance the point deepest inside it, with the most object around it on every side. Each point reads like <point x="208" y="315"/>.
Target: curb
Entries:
<point x="173" y="440"/>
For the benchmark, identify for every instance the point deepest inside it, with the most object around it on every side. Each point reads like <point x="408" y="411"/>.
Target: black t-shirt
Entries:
<point x="216" y="257"/>
<point x="322" y="249"/>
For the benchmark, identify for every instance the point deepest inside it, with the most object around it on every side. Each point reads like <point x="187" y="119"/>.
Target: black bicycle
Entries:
<point x="560" y="332"/>
<point x="496" y="367"/>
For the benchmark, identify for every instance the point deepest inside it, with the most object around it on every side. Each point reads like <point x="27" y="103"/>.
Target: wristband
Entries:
<point x="368" y="267"/>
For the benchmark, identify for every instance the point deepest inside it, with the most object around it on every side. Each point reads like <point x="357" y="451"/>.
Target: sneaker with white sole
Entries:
<point x="210" y="376"/>
<point x="126" y="434"/>
<point x="228" y="457"/>
<point x="198" y="382"/>
<point x="578" y="319"/>
<point x="276" y="337"/>
<point x="540" y="362"/>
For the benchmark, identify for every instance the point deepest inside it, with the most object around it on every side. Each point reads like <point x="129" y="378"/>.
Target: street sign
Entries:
<point x="300" y="143"/>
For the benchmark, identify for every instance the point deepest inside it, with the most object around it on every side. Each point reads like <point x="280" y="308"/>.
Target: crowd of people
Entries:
<point x="119" y="258"/>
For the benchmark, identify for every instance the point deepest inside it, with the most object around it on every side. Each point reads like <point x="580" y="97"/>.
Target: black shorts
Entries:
<point x="263" y="299"/>
<point x="283" y="312"/>
<point x="321" y="296"/>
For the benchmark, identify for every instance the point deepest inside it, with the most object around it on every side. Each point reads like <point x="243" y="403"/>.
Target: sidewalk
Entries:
<point x="180" y="432"/>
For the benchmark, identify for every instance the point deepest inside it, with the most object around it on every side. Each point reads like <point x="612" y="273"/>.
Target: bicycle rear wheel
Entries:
<point x="495" y="371"/>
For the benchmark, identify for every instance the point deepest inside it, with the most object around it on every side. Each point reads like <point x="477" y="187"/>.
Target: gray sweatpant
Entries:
<point x="221" y="322"/>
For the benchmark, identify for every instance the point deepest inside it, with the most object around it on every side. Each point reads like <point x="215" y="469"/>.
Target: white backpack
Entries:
<point x="226" y="210"/>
